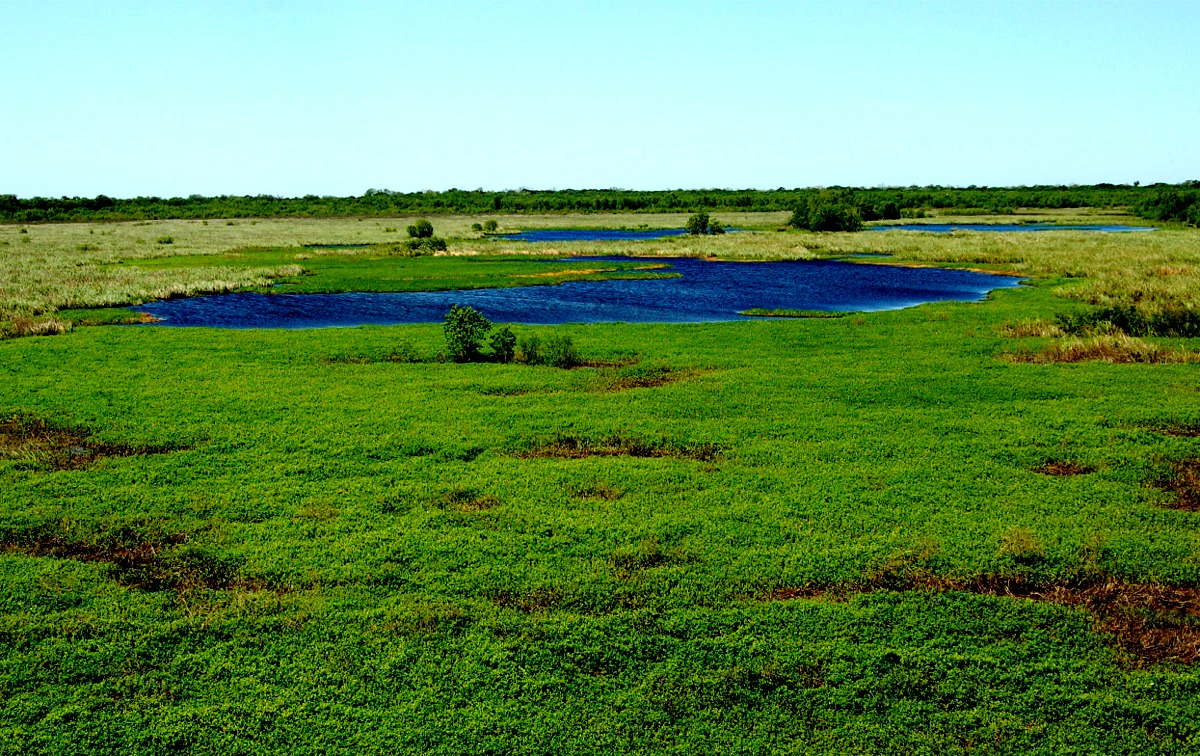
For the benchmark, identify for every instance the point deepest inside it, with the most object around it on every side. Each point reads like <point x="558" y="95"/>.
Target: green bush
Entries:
<point x="164" y="240"/>
<point x="504" y="344"/>
<point x="826" y="211"/>
<point x="465" y="328"/>
<point x="529" y="350"/>
<point x="425" y="245"/>
<point x="697" y="224"/>
<point x="490" y="226"/>
<point x="561" y="352"/>
<point x="476" y="227"/>
<point x="422" y="229"/>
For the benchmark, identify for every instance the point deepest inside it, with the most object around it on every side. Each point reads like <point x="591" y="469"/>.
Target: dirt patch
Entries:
<point x="38" y="445"/>
<point x="1063" y="468"/>
<point x="595" y="489"/>
<point x="649" y="376"/>
<point x="466" y="500"/>
<point x="1184" y="482"/>
<point x="1151" y="624"/>
<point x="1179" y="430"/>
<point x="620" y="445"/>
<point x="537" y="600"/>
<point x="154" y="564"/>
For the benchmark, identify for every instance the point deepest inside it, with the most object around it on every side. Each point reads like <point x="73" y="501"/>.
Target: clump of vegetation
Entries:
<point x="827" y="211"/>
<point x="700" y="224"/>
<point x="421" y="239"/>
<point x="165" y="240"/>
<point x="465" y="329"/>
<point x="422" y="229"/>
<point x="490" y="226"/>
<point x="477" y="227"/>
<point x="556" y="351"/>
<point x="1176" y="322"/>
<point x="21" y="325"/>
<point x="504" y="344"/>
<point x="1031" y="327"/>
<point x="1115" y="347"/>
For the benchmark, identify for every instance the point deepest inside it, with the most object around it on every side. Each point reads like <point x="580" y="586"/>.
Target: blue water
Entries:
<point x="600" y="234"/>
<point x="706" y="291"/>
<point x="946" y="228"/>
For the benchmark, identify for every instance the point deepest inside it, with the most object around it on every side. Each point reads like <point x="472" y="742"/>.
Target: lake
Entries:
<point x="946" y="228"/>
<point x="705" y="291"/>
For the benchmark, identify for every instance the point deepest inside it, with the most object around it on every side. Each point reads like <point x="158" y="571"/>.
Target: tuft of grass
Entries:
<point x="1032" y="327"/>
<point x="1115" y="348"/>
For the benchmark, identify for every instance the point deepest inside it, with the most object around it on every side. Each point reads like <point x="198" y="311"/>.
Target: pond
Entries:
<point x="704" y="291"/>
<point x="946" y="228"/>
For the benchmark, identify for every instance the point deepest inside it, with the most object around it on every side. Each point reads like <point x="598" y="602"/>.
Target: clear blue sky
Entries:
<point x="177" y="98"/>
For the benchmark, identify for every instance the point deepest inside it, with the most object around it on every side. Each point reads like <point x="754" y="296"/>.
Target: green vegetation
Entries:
<point x="759" y="312"/>
<point x="871" y="203"/>
<point x="908" y="531"/>
<point x="827" y="211"/>
<point x="465" y="329"/>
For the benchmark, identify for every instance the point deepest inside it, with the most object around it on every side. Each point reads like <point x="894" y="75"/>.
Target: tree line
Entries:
<point x="1167" y="202"/>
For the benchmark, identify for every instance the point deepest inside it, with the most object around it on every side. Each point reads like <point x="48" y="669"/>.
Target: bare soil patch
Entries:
<point x="620" y="445"/>
<point x="39" y="445"/>
<point x="1150" y="623"/>
<point x="1184" y="482"/>
<point x="1063" y="468"/>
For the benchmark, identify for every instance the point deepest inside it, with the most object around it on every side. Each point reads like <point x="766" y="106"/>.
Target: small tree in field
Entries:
<point x="490" y="226"/>
<point x="697" y="224"/>
<point x="465" y="328"/>
<point x="422" y="229"/>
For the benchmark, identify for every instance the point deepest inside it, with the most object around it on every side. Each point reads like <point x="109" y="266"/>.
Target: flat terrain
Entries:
<point x="886" y="532"/>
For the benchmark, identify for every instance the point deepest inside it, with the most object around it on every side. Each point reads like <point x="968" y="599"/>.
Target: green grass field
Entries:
<point x="872" y="533"/>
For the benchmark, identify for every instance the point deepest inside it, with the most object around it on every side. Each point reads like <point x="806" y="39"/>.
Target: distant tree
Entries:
<point x="465" y="328"/>
<point x="476" y="227"/>
<point x="826" y="211"/>
<point x="715" y="227"/>
<point x="490" y="226"/>
<point x="697" y="224"/>
<point x="422" y="229"/>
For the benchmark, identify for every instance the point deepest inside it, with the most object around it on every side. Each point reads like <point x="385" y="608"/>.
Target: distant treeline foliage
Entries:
<point x="1167" y="202"/>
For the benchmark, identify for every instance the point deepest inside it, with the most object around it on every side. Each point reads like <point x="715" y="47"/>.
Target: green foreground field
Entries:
<point x="870" y="533"/>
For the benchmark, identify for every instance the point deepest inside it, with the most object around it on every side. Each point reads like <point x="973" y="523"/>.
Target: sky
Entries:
<point x="293" y="98"/>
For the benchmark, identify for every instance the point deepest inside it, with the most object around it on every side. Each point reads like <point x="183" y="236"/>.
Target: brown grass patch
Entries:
<point x="620" y="445"/>
<point x="1031" y="328"/>
<point x="649" y="376"/>
<point x="1184" y="482"/>
<point x="537" y="600"/>
<point x="1149" y="623"/>
<point x="1063" y="468"/>
<point x="22" y="325"/>
<point x="1114" y="348"/>
<point x="466" y="500"/>
<point x="36" y="444"/>
<point x="1179" y="430"/>
<point x="152" y="563"/>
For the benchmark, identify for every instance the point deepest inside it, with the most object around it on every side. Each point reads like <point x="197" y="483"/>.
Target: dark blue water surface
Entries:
<point x="706" y="291"/>
<point x="594" y="234"/>
<point x="946" y="228"/>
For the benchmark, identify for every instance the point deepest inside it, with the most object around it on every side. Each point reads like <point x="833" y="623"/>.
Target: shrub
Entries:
<point x="425" y="245"/>
<point x="164" y="240"/>
<point x="476" y="227"/>
<point x="490" y="226"/>
<point x="529" y="350"/>
<point x="422" y="229"/>
<point x="826" y="212"/>
<point x="465" y="328"/>
<point x="561" y="352"/>
<point x="504" y="344"/>
<point x="715" y="227"/>
<point x="697" y="224"/>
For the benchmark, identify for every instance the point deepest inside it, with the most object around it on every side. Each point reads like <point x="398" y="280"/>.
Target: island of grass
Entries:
<point x="761" y="312"/>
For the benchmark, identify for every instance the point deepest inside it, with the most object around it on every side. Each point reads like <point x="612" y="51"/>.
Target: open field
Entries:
<point x="872" y="533"/>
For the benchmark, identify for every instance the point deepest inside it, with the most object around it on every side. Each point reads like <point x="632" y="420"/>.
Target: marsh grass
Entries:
<point x="1031" y="327"/>
<point x="1114" y="347"/>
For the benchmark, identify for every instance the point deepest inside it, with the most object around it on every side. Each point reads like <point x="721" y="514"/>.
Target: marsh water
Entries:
<point x="701" y="291"/>
<point x="946" y="228"/>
